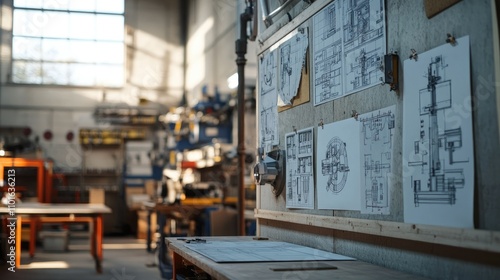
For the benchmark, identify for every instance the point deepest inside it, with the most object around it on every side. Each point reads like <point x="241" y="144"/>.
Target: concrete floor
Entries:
<point x="124" y="259"/>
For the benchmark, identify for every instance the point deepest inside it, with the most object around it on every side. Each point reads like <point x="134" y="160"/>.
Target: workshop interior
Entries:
<point x="244" y="139"/>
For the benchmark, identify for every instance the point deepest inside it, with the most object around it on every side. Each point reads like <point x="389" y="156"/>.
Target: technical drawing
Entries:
<point x="268" y="101"/>
<point x="291" y="60"/>
<point x="299" y="165"/>
<point x="438" y="145"/>
<point x="335" y="165"/>
<point x="363" y="42"/>
<point x="439" y="179"/>
<point x="327" y="44"/>
<point x="377" y="129"/>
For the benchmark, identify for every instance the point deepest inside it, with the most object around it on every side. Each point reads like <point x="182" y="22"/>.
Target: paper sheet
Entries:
<point x="438" y="153"/>
<point x="299" y="169"/>
<point x="268" y="119"/>
<point x="338" y="166"/>
<point x="377" y="136"/>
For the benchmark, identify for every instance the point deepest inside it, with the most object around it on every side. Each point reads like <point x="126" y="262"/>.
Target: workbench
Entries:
<point x="186" y="260"/>
<point x="57" y="213"/>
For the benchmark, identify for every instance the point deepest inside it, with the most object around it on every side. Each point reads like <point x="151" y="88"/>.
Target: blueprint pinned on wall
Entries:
<point x="268" y="118"/>
<point x="327" y="52"/>
<point x="348" y="46"/>
<point x="292" y="54"/>
<point x="338" y="166"/>
<point x="438" y="153"/>
<point x="377" y="136"/>
<point x="299" y="169"/>
<point x="364" y="43"/>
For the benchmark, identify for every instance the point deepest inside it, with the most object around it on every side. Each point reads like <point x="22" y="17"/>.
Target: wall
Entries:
<point x="154" y="71"/>
<point x="407" y="27"/>
<point x="210" y="59"/>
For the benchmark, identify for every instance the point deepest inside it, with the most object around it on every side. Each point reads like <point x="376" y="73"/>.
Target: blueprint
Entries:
<point x="438" y="153"/>
<point x="363" y="42"/>
<point x="292" y="54"/>
<point x="327" y="52"/>
<point x="299" y="169"/>
<point x="348" y="47"/>
<point x="261" y="251"/>
<point x="377" y="136"/>
<point x="268" y="118"/>
<point x="338" y="166"/>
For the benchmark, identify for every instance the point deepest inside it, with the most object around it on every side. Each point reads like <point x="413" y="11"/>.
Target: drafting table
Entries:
<point x="186" y="261"/>
<point x="59" y="213"/>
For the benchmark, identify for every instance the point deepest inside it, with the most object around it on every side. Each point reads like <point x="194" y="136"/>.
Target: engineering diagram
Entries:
<point x="299" y="165"/>
<point x="438" y="146"/>
<point x="364" y="43"/>
<point x="268" y="114"/>
<point x="327" y="43"/>
<point x="441" y="174"/>
<point x="377" y="129"/>
<point x="335" y="165"/>
<point x="292" y="55"/>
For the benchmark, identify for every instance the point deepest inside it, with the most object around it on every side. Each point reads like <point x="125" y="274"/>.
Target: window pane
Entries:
<point x="28" y="23"/>
<point x="26" y="48"/>
<point x="82" y="5"/>
<point x="110" y="6"/>
<point x="56" y="25"/>
<point x="28" y="3"/>
<point x="82" y="26"/>
<point x="55" y="73"/>
<point x="109" y="53"/>
<point x="56" y="4"/>
<point x="26" y="72"/>
<point x="55" y="50"/>
<point x="82" y="74"/>
<point x="109" y="75"/>
<point x="110" y="28"/>
<point x="82" y="51"/>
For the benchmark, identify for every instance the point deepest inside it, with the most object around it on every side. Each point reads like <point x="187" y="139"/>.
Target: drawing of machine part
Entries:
<point x="330" y="17"/>
<point x="364" y="68"/>
<point x="440" y="175"/>
<point x="286" y="67"/>
<point x="376" y="176"/>
<point x="269" y="169"/>
<point x="269" y="120"/>
<point x="335" y="165"/>
<point x="327" y="67"/>
<point x="291" y="148"/>
<point x="268" y="68"/>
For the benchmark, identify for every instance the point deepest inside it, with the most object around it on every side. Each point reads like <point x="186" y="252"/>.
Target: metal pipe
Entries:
<point x="241" y="50"/>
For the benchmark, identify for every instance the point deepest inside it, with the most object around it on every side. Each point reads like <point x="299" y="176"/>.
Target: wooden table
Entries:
<point x="186" y="260"/>
<point x="57" y="213"/>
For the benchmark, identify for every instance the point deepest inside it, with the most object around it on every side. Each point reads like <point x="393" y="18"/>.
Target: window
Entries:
<point x="68" y="42"/>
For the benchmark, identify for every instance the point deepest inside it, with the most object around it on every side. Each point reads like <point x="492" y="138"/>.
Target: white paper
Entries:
<point x="268" y="119"/>
<point x="327" y="49"/>
<point x="299" y="169"/>
<point x="338" y="166"/>
<point x="377" y="136"/>
<point x="292" y="55"/>
<point x="348" y="46"/>
<point x="364" y="43"/>
<point x="438" y="154"/>
<point x="261" y="251"/>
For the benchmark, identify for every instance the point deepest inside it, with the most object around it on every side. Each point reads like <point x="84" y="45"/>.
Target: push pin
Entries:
<point x="413" y="54"/>
<point x="321" y="123"/>
<point x="450" y="39"/>
<point x="355" y="114"/>
<point x="294" y="129"/>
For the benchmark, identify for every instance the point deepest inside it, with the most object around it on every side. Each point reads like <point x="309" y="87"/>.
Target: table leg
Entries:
<point x="92" y="237"/>
<point x="18" y="240"/>
<point x="148" y="233"/>
<point x="98" y="243"/>
<point x="33" y="224"/>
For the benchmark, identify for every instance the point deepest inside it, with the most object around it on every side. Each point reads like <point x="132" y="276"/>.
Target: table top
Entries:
<point x="55" y="208"/>
<point x="282" y="270"/>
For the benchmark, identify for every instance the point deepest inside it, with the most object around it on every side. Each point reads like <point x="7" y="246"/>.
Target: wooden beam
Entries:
<point x="483" y="240"/>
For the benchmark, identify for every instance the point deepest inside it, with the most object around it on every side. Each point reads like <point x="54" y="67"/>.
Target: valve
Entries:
<point x="269" y="169"/>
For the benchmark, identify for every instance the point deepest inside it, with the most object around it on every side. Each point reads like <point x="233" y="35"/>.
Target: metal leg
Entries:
<point x="98" y="238"/>
<point x="148" y="233"/>
<point x="33" y="229"/>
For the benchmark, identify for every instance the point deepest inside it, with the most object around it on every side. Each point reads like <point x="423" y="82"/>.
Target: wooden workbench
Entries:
<point x="58" y="213"/>
<point x="185" y="259"/>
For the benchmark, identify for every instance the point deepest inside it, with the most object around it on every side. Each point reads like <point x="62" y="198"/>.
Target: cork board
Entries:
<point x="303" y="92"/>
<point x="433" y="7"/>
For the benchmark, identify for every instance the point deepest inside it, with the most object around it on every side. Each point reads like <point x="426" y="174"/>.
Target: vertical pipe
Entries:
<point x="241" y="50"/>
